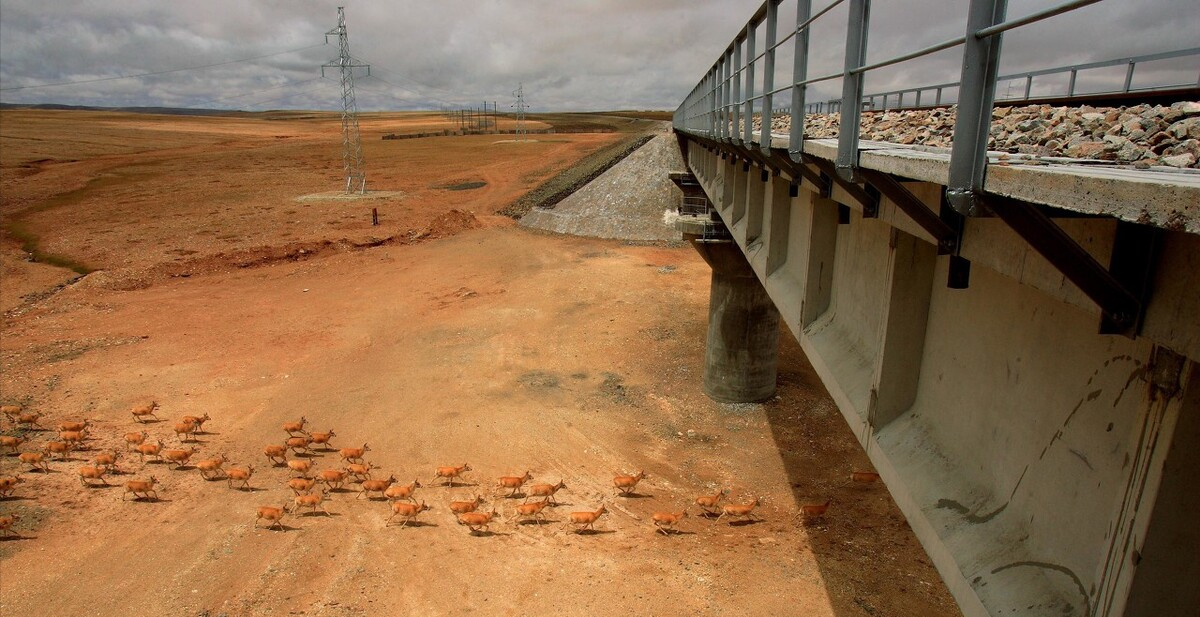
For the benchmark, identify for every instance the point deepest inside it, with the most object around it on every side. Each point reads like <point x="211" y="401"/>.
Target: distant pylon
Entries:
<point x="352" y="159"/>
<point x="520" y="106"/>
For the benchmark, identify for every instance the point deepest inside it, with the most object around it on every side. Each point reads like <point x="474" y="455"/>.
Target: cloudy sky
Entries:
<point x="570" y="54"/>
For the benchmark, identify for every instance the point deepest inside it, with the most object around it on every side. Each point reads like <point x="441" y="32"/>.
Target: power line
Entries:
<point x="280" y="98"/>
<point x="188" y="68"/>
<point x="245" y="94"/>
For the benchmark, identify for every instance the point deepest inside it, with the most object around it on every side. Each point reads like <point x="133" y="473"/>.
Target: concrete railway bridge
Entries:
<point x="1016" y="346"/>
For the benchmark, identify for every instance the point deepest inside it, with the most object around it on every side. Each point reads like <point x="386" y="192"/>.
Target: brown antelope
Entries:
<point x="360" y="471"/>
<point x="60" y="448"/>
<point x="544" y="490"/>
<point x="666" y="521"/>
<point x="37" y="459"/>
<point x="73" y="426"/>
<point x="185" y="431"/>
<point x="8" y="484"/>
<point x="864" y="477"/>
<point x="179" y="457"/>
<point x="462" y="507"/>
<point x="708" y="502"/>
<point x="276" y="454"/>
<point x="6" y="524"/>
<point x="626" y="484"/>
<point x="814" y="511"/>
<point x="141" y="412"/>
<point x="514" y="482"/>
<point x="354" y="455"/>
<point x="141" y="489"/>
<point x="150" y="449"/>
<point x="533" y="509"/>
<point x="375" y="486"/>
<point x="12" y="411"/>
<point x="477" y="520"/>
<point x="272" y="515"/>
<point x="745" y="511"/>
<point x="333" y="478"/>
<point x="133" y="440"/>
<point x="323" y="439"/>
<point x="75" y="438"/>
<point x="295" y="427"/>
<point x="90" y="472"/>
<point x="406" y="511"/>
<point x="397" y="492"/>
<point x="298" y="445"/>
<point x="28" y="420"/>
<point x="301" y="485"/>
<point x="450" y="473"/>
<point x="210" y="468"/>
<point x="312" y="501"/>
<point x="11" y="443"/>
<point x="300" y="466"/>
<point x="585" y="520"/>
<point x="107" y="460"/>
<point x="197" y="420"/>
<point x="239" y="474"/>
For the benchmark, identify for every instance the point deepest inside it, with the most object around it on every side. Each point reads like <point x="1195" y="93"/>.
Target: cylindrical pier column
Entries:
<point x="741" y="358"/>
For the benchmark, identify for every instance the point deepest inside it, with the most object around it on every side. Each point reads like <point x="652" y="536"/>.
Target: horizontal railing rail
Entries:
<point x="895" y="99"/>
<point x="724" y="104"/>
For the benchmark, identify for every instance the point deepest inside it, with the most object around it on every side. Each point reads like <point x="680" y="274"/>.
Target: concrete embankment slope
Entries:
<point x="635" y="200"/>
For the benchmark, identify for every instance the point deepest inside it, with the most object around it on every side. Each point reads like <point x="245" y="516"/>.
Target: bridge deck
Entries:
<point x="1164" y="197"/>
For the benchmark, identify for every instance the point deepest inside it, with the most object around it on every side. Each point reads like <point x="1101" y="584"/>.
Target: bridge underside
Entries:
<point x="1047" y="469"/>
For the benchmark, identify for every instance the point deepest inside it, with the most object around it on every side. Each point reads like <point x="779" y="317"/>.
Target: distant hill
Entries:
<point x="174" y="111"/>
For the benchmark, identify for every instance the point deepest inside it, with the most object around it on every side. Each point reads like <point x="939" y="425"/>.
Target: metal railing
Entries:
<point x="919" y="96"/>
<point x="722" y="105"/>
<point x="694" y="206"/>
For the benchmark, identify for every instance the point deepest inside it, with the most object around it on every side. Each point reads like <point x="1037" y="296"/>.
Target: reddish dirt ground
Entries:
<point x="439" y="337"/>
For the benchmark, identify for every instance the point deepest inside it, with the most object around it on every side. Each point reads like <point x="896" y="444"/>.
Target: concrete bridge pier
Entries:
<point x="743" y="327"/>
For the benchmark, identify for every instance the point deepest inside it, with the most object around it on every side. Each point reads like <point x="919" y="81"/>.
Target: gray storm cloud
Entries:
<point x="578" y="55"/>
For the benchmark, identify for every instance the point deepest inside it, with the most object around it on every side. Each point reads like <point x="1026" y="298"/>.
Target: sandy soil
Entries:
<point x="462" y="339"/>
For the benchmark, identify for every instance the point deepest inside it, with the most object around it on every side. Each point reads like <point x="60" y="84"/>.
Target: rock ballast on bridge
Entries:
<point x="1140" y="135"/>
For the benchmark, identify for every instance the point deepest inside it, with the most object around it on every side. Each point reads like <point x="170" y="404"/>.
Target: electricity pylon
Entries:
<point x="352" y="159"/>
<point x="520" y="106"/>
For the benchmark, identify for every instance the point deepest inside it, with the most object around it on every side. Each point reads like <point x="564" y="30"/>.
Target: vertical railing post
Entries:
<point x="852" y="89"/>
<point x="736" y="130"/>
<point x="748" y="131"/>
<point x="722" y="96"/>
<point x="799" y="74"/>
<point x="1028" y="86"/>
<point x="1128" y="77"/>
<point x="712" y="102"/>
<point x="976" y="94"/>
<point x="1071" y="83"/>
<point x="727" y="130"/>
<point x="764" y="140"/>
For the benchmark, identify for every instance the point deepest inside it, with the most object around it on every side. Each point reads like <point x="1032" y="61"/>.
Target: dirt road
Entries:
<point x="507" y="349"/>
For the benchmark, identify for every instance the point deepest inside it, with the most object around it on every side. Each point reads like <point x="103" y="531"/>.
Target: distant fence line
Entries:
<point x="449" y="132"/>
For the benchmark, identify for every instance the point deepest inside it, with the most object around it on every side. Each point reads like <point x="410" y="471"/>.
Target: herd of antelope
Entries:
<point x="311" y="487"/>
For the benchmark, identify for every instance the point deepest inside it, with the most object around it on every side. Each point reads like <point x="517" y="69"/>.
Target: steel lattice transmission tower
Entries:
<point x="520" y="106"/>
<point x="352" y="159"/>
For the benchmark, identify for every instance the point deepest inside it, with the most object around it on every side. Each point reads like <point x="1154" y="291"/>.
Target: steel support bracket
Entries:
<point x="799" y="171"/>
<point x="947" y="238"/>
<point x="1133" y="257"/>
<point x="870" y="205"/>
